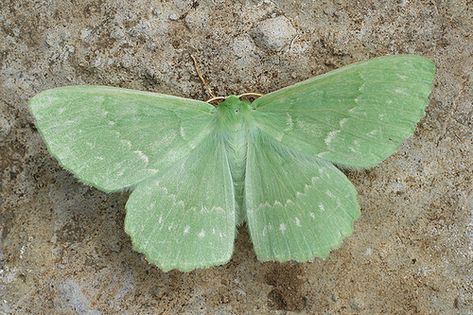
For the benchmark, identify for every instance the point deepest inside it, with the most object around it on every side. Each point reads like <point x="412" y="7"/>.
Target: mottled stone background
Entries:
<point x="62" y="245"/>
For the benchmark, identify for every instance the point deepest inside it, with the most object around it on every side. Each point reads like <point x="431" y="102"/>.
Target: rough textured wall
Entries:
<point x="63" y="249"/>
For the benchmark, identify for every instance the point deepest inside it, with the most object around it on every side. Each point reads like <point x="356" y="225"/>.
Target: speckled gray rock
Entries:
<point x="244" y="49"/>
<point x="274" y="33"/>
<point x="5" y="126"/>
<point x="242" y="46"/>
<point x="197" y="19"/>
<point x="70" y="298"/>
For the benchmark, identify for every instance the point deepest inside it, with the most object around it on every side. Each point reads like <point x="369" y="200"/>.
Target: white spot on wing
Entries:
<point x="399" y="91"/>
<point x="338" y="203"/>
<point x="329" y="194"/>
<point x="187" y="229"/>
<point x="201" y="233"/>
<point x="297" y="221"/>
<point x="282" y="228"/>
<point x="219" y="209"/>
<point x="289" y="123"/>
<point x="402" y="77"/>
<point x="372" y="133"/>
<point x="127" y="143"/>
<point x="142" y="156"/>
<point x="312" y="215"/>
<point x="152" y="170"/>
<point x="331" y="135"/>
<point x="343" y="122"/>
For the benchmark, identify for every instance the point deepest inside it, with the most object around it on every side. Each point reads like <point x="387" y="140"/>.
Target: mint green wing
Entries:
<point x="298" y="206"/>
<point x="113" y="138"/>
<point x="355" y="116"/>
<point x="185" y="217"/>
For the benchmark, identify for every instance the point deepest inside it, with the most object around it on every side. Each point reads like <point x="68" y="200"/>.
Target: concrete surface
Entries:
<point x="63" y="249"/>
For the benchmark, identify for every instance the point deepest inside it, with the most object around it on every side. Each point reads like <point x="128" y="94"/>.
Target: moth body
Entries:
<point x="234" y="123"/>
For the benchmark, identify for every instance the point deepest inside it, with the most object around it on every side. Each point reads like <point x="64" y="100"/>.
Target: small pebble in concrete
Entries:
<point x="173" y="17"/>
<point x="274" y="33"/>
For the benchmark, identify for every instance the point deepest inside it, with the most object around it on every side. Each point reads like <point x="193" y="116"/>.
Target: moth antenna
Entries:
<point x="199" y="74"/>
<point x="216" y="98"/>
<point x="251" y="94"/>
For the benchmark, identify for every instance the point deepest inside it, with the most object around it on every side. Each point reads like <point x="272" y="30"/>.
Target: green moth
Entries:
<point x="197" y="171"/>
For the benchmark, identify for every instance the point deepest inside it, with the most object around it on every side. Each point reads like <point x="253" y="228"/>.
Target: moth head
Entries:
<point x="232" y="111"/>
<point x="231" y="104"/>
